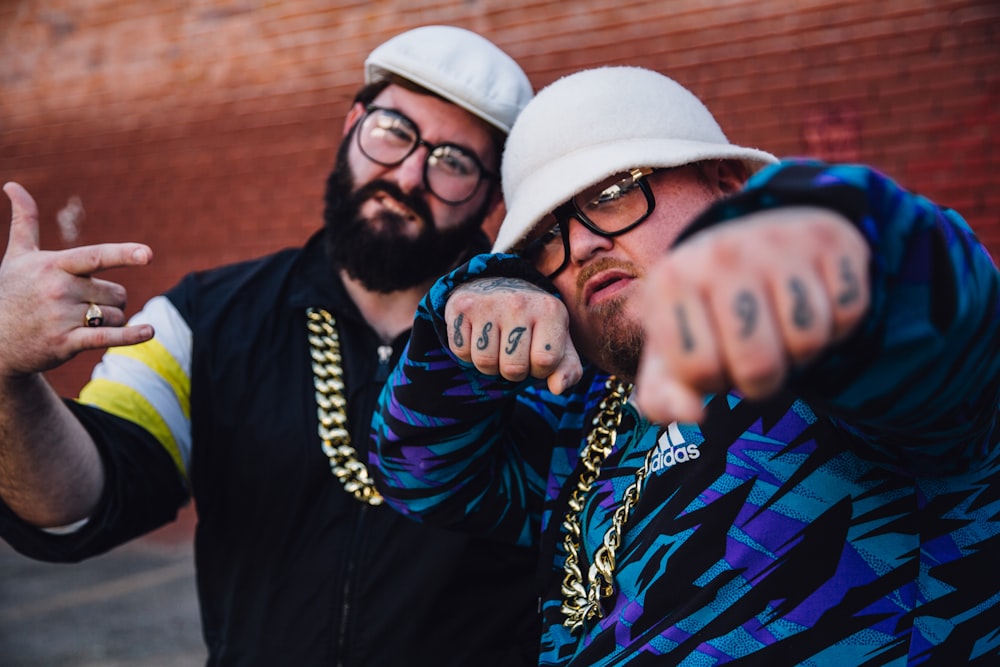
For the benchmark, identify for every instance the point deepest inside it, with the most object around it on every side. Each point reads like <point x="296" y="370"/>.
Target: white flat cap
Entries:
<point x="460" y="66"/>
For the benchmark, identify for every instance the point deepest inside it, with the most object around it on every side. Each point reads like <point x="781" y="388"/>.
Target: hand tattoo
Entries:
<point x="852" y="287"/>
<point x="484" y="340"/>
<point x="513" y="338"/>
<point x="802" y="312"/>
<point x="687" y="338"/>
<point x="457" y="337"/>
<point x="746" y="310"/>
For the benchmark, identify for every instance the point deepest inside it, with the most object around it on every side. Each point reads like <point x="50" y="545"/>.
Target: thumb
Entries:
<point x="660" y="397"/>
<point x="23" y="219"/>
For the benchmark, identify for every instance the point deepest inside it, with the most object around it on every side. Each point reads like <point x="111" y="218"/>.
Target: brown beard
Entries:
<point x="382" y="259"/>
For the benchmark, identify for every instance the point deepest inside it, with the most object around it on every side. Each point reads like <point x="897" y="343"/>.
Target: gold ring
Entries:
<point x="94" y="316"/>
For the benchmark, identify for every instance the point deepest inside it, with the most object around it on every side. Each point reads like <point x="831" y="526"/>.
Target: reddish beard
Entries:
<point x="614" y="339"/>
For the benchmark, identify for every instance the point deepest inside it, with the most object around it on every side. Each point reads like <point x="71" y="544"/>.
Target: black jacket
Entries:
<point x="291" y="569"/>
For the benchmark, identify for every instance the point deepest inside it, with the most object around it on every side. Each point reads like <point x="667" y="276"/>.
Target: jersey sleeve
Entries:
<point x="922" y="373"/>
<point x="150" y="383"/>
<point x="461" y="449"/>
<point x="143" y="491"/>
<point x="136" y="407"/>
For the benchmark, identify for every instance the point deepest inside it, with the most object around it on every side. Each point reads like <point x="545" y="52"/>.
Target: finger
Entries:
<point x="23" y="219"/>
<point x="104" y="292"/>
<point x="568" y="372"/>
<point x="96" y="338"/>
<point x="847" y="284"/>
<point x="111" y="316"/>
<point x="550" y="340"/>
<point x="681" y="333"/>
<point x="804" y="314"/>
<point x="749" y="339"/>
<point x="678" y="327"/>
<point x="548" y="350"/>
<point x="485" y="348"/>
<point x="459" y="334"/>
<point x="87" y="260"/>
<point x="515" y="352"/>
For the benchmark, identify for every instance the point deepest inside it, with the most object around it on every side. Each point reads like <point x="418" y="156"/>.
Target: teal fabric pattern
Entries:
<point x="854" y="519"/>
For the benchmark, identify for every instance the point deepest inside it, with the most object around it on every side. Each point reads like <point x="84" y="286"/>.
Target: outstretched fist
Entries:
<point x="511" y="328"/>
<point x="738" y="305"/>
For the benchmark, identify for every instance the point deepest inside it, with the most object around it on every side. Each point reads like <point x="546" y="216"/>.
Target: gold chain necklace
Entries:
<point x="328" y="378"/>
<point x="582" y="604"/>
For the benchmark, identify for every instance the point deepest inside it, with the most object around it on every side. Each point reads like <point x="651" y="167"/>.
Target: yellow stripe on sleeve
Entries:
<point x="158" y="359"/>
<point x="125" y="402"/>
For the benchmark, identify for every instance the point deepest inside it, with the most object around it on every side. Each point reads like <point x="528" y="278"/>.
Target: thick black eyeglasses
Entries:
<point x="452" y="173"/>
<point x="611" y="208"/>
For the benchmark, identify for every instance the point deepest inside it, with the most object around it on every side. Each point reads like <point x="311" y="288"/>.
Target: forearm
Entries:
<point x="50" y="470"/>
<point x="441" y="450"/>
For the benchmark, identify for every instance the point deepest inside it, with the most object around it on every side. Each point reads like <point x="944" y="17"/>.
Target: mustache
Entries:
<point x="603" y="264"/>
<point x="412" y="201"/>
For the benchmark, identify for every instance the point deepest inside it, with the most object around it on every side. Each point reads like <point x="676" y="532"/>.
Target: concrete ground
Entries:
<point x="133" y="607"/>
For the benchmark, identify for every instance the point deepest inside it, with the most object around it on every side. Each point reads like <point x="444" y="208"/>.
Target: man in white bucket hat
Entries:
<point x="808" y="470"/>
<point x="255" y="396"/>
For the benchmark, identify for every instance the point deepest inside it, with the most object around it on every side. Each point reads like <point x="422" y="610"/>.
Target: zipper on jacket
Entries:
<point x="381" y="375"/>
<point x="345" y="607"/>
<point x="384" y="357"/>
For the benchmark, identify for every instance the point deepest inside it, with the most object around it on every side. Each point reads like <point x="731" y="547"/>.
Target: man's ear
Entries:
<point x="728" y="176"/>
<point x="356" y="112"/>
<point x="495" y="212"/>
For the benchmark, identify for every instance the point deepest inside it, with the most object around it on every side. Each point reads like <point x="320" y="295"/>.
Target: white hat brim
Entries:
<point x="559" y="180"/>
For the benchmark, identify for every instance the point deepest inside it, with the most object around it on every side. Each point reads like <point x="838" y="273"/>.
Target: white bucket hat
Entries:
<point x="595" y="123"/>
<point x="460" y="66"/>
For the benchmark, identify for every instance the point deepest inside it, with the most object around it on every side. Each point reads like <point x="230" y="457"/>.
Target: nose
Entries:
<point x="410" y="172"/>
<point x="583" y="243"/>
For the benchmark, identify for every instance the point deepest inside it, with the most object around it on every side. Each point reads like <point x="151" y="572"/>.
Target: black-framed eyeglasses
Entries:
<point x="611" y="208"/>
<point x="452" y="173"/>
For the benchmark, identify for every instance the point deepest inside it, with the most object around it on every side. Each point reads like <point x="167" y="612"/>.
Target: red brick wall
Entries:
<point x="206" y="128"/>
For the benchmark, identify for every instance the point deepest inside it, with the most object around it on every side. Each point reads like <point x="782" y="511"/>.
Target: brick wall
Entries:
<point x="206" y="128"/>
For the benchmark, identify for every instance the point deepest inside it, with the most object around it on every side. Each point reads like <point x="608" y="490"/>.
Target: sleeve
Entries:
<point x="460" y="449"/>
<point x="137" y="409"/>
<point x="143" y="491"/>
<point x="150" y="383"/>
<point x="922" y="374"/>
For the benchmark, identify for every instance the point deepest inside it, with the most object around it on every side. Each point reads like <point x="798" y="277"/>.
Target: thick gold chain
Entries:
<point x="328" y="378"/>
<point x="582" y="604"/>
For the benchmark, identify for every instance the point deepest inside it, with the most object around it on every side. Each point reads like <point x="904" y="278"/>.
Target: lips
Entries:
<point x="393" y="206"/>
<point x="605" y="285"/>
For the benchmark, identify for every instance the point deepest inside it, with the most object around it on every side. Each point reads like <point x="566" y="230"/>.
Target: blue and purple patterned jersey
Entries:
<point x="854" y="519"/>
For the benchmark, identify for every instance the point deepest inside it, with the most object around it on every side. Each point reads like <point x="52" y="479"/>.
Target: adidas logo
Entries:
<point x="672" y="450"/>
